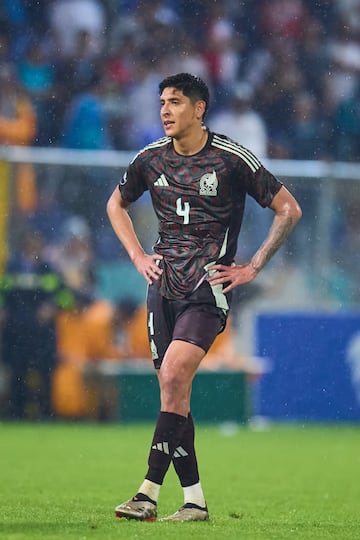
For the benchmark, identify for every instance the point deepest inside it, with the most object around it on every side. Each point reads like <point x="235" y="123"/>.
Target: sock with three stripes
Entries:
<point x="168" y="433"/>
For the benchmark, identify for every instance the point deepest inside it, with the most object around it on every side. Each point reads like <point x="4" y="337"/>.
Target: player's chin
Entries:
<point x="171" y="133"/>
<point x="172" y="130"/>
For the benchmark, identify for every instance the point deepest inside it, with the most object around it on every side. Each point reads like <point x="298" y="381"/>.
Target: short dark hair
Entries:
<point x="191" y="86"/>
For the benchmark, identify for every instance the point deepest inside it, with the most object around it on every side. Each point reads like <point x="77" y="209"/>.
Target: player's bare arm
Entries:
<point x="287" y="214"/>
<point x="117" y="210"/>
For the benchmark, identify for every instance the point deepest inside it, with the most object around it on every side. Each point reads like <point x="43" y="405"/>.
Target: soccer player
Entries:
<point x="198" y="182"/>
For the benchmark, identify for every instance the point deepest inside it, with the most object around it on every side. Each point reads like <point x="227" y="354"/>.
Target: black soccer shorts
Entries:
<point x="195" y="319"/>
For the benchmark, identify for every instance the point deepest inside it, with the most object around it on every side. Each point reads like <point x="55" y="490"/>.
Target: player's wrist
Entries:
<point x="136" y="255"/>
<point x="254" y="267"/>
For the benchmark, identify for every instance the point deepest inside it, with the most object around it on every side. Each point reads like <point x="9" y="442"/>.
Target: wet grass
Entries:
<point x="62" y="481"/>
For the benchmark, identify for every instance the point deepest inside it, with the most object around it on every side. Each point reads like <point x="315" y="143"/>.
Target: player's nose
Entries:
<point x="164" y="111"/>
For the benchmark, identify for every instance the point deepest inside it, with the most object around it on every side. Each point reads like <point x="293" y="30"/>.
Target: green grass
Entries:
<point x="62" y="481"/>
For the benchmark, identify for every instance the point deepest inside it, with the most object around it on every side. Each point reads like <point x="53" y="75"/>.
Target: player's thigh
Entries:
<point x="179" y="365"/>
<point x="198" y="327"/>
<point x="194" y="332"/>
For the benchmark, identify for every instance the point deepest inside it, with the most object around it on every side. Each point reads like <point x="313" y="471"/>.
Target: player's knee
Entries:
<point x="174" y="383"/>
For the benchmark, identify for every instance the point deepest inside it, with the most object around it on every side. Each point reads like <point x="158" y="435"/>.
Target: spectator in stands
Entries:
<point x="29" y="292"/>
<point x="86" y="335"/>
<point x="275" y="95"/>
<point x="311" y="57"/>
<point x="37" y="75"/>
<point x="37" y="12"/>
<point x="286" y="18"/>
<point x="349" y="12"/>
<point x="119" y="62"/>
<point x="18" y="126"/>
<point x="67" y="17"/>
<point x="343" y="65"/>
<point x="115" y="106"/>
<point x="76" y="72"/>
<point x="222" y="52"/>
<point x="306" y="136"/>
<point x="73" y="257"/>
<point x="49" y="216"/>
<point x="189" y="57"/>
<point x="143" y="105"/>
<point x="18" y="123"/>
<point x="15" y="16"/>
<point x="347" y="120"/>
<point x="4" y="47"/>
<point x="85" y="124"/>
<point x="69" y="396"/>
<point x="241" y="122"/>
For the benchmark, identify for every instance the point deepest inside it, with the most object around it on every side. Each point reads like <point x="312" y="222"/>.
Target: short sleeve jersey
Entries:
<point x="199" y="201"/>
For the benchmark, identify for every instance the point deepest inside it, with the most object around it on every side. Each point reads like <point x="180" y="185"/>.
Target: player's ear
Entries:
<point x="200" y="107"/>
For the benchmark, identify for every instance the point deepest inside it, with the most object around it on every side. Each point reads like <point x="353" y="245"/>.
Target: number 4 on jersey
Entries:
<point x="183" y="210"/>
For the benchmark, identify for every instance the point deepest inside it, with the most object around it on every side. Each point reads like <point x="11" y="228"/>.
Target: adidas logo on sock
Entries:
<point x="162" y="447"/>
<point x="180" y="452"/>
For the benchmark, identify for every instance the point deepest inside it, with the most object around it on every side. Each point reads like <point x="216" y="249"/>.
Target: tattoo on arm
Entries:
<point x="279" y="231"/>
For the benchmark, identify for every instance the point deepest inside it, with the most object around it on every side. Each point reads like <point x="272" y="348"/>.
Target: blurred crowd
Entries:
<point x="83" y="74"/>
<point x="90" y="69"/>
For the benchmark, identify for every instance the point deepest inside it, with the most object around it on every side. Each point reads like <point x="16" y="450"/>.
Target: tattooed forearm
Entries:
<point x="279" y="231"/>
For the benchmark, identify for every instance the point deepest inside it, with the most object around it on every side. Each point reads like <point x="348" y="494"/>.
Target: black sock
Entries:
<point x="184" y="459"/>
<point x="168" y="433"/>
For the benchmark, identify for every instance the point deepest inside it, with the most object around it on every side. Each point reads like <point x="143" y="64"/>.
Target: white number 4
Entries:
<point x="183" y="210"/>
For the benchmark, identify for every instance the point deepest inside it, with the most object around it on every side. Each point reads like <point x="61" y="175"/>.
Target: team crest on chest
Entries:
<point x="209" y="184"/>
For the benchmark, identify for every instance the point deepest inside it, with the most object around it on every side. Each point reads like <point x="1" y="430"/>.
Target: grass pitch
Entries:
<point x="62" y="481"/>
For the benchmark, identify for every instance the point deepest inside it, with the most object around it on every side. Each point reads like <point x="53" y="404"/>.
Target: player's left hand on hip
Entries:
<point x="231" y="275"/>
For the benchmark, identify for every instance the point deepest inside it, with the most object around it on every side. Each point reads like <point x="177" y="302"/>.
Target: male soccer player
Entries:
<point x="198" y="181"/>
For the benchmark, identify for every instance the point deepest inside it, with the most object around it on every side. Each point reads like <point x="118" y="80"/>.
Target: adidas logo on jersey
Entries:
<point x="161" y="181"/>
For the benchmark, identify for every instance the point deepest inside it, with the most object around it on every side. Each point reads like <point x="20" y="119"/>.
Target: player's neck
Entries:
<point x="193" y="143"/>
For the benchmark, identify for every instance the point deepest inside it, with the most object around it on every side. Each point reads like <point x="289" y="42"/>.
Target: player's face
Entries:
<point x="178" y="114"/>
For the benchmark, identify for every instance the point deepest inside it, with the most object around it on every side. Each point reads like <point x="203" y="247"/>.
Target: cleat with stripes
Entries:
<point x="140" y="508"/>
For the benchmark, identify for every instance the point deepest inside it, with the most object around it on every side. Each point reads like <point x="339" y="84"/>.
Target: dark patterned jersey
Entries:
<point x="199" y="202"/>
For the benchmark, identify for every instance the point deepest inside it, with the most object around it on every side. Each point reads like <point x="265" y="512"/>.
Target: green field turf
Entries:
<point x="62" y="481"/>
